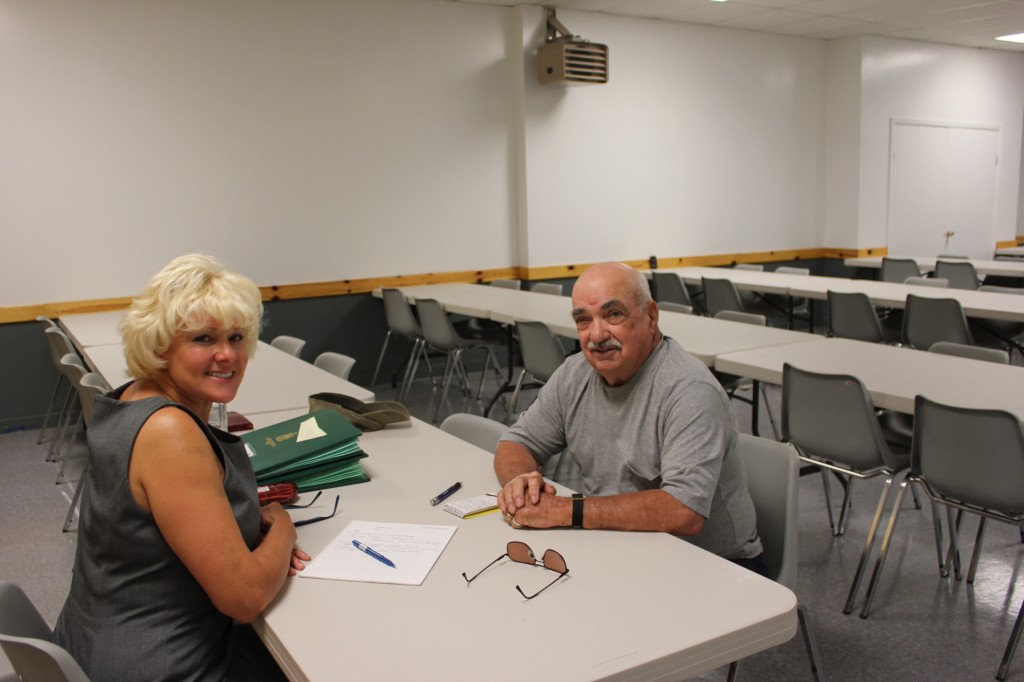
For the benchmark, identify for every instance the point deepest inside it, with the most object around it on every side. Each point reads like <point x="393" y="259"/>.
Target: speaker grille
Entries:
<point x="572" y="62"/>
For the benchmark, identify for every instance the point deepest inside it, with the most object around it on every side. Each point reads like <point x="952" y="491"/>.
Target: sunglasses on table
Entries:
<point x="521" y="553"/>
<point x="306" y="522"/>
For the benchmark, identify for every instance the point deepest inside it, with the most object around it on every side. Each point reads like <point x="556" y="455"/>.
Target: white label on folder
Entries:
<point x="309" y="429"/>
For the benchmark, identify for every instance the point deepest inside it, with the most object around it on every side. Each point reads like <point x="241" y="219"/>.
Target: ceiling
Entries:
<point x="971" y="23"/>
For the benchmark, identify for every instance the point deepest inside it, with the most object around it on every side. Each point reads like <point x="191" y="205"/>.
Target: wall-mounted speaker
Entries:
<point x="565" y="59"/>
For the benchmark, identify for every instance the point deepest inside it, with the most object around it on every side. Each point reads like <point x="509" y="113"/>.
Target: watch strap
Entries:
<point x="577" y="510"/>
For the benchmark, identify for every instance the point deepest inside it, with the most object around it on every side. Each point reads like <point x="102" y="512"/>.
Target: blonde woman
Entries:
<point x="174" y="552"/>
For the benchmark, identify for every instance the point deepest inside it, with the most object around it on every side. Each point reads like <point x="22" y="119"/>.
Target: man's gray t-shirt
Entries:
<point x="670" y="427"/>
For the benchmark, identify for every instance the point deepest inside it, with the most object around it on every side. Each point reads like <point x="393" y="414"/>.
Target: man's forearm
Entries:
<point x="650" y="510"/>
<point x="512" y="459"/>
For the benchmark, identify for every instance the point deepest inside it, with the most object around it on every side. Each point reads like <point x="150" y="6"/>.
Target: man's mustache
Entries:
<point x="607" y="344"/>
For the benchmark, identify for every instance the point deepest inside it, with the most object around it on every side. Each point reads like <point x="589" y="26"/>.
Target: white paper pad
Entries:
<point x="414" y="548"/>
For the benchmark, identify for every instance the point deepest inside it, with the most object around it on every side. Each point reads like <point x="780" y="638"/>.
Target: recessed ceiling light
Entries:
<point x="719" y="0"/>
<point x="1015" y="38"/>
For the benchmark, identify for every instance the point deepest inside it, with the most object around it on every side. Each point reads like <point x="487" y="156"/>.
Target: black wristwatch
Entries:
<point x="577" y="510"/>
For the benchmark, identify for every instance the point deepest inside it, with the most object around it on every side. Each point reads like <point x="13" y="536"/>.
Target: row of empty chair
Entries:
<point x="968" y="460"/>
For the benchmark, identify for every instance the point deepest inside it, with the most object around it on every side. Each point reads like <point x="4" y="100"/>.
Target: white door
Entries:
<point x="942" y="189"/>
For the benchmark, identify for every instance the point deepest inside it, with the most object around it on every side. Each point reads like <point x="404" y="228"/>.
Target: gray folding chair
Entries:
<point x="25" y="639"/>
<point x="89" y="386"/>
<point x="852" y="316"/>
<point x="996" y="355"/>
<point x="402" y="322"/>
<point x="960" y="274"/>
<point x="289" y="344"/>
<point x="507" y="283"/>
<point x="669" y="288"/>
<point x="971" y="460"/>
<point x="732" y="382"/>
<point x="927" y="321"/>
<point x="1003" y="334"/>
<point x="59" y="345"/>
<point x="472" y="428"/>
<point x="553" y="288"/>
<point x="337" y="364"/>
<point x="831" y="420"/>
<point x="440" y="334"/>
<point x="773" y="479"/>
<point x="898" y="269"/>
<point x="542" y="355"/>
<point x="721" y="294"/>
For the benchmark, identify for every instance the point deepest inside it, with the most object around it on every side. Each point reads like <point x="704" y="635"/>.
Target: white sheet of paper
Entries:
<point x="309" y="429"/>
<point x="414" y="548"/>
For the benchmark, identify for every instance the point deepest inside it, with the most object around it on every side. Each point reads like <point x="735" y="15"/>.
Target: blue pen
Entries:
<point x="441" y="497"/>
<point x="376" y="555"/>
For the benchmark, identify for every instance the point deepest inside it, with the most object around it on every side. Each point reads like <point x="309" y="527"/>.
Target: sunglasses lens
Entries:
<point x="553" y="561"/>
<point x="521" y="552"/>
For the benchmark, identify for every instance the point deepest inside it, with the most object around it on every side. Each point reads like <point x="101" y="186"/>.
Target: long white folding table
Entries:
<point x="1006" y="268"/>
<point x="1015" y="251"/>
<point x="983" y="304"/>
<point x="635" y="606"/>
<point x="703" y="337"/>
<point x="892" y="375"/>
<point x="92" y="329"/>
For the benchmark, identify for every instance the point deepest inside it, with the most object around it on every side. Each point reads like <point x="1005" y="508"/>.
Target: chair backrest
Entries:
<point x="922" y="281"/>
<point x="89" y="386"/>
<point x="60" y="344"/>
<point x="952" y="255"/>
<point x="898" y="269"/>
<point x="961" y="274"/>
<point x="289" y="344"/>
<point x="745" y="318"/>
<point x="437" y="327"/>
<point x="472" y="428"/>
<point x="337" y="364"/>
<point x="974" y="456"/>
<point x="817" y="407"/>
<point x="506" y="283"/>
<point x="553" y="288"/>
<point x="24" y="638"/>
<point x="669" y="288"/>
<point x="73" y="368"/>
<point x="719" y="295"/>
<point x="996" y="355"/>
<point x="773" y="479"/>
<point x="675" y="307"/>
<point x="790" y="270"/>
<point x="542" y="353"/>
<point x="749" y="266"/>
<point x="926" y="321"/>
<point x="398" y="314"/>
<point x="852" y="316"/>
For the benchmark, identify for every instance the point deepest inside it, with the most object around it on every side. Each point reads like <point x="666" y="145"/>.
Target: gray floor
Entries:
<point x="922" y="627"/>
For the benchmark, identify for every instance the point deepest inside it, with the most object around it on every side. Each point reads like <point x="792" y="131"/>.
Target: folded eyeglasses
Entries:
<point x="521" y="553"/>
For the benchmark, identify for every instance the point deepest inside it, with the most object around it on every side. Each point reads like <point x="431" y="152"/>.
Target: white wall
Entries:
<point x="301" y="141"/>
<point x="912" y="80"/>
<point x="703" y="141"/>
<point x="842" y="165"/>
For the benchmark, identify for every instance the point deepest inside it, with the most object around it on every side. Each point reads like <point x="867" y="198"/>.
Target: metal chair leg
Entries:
<point x="869" y="543"/>
<point x="884" y="550"/>
<point x="1011" y="645"/>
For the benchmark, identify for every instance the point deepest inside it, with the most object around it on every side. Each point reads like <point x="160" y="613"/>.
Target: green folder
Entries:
<point x="317" y="450"/>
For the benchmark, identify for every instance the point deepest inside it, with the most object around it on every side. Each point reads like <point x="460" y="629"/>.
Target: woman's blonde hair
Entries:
<point x="186" y="295"/>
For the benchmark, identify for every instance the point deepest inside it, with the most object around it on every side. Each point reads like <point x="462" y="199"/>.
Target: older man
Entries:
<point x="650" y="427"/>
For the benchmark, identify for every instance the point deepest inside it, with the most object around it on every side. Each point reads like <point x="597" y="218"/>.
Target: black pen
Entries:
<point x="441" y="497"/>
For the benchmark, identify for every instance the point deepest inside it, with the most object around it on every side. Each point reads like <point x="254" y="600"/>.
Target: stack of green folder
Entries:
<point x="294" y="451"/>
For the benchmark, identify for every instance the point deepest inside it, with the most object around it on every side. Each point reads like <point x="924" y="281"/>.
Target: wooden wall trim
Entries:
<point x="282" y="292"/>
